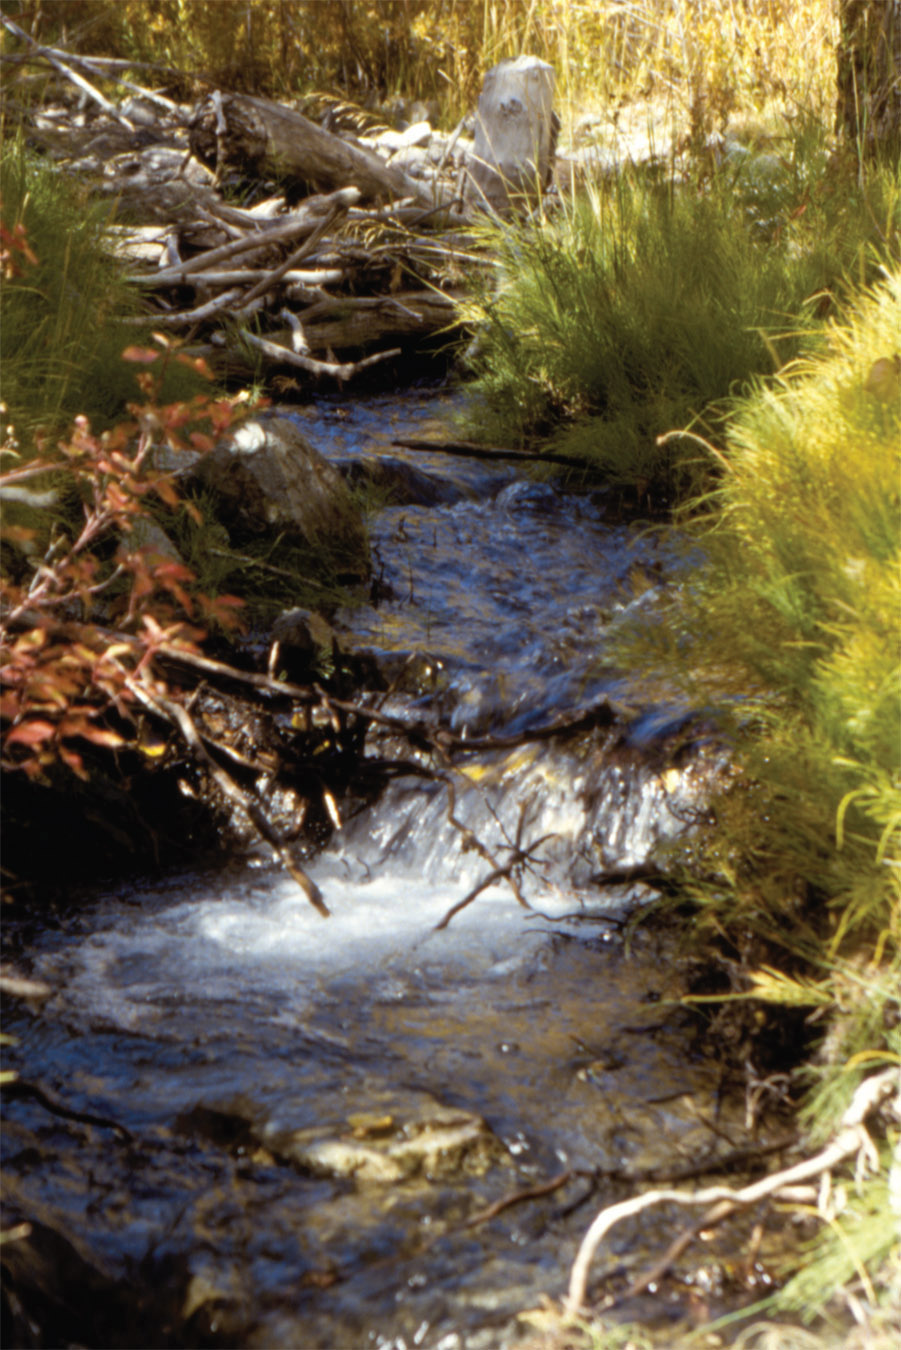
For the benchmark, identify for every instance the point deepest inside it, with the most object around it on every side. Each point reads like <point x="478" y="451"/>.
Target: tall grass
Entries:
<point x="644" y="305"/>
<point x="709" y="57"/>
<point x="790" y="635"/>
<point x="792" y="632"/>
<point x="60" y="342"/>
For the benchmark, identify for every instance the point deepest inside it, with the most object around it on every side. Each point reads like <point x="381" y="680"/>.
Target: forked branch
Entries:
<point x="852" y="1141"/>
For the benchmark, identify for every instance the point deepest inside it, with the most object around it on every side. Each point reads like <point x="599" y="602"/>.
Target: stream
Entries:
<point x="259" y="1128"/>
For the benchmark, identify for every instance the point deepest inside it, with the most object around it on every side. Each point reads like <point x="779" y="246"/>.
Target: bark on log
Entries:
<point x="265" y="138"/>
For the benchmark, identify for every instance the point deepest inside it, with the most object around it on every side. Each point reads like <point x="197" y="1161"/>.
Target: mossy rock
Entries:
<point x="266" y="478"/>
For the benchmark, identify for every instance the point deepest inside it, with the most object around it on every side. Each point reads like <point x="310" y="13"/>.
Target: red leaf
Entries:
<point x="74" y="761"/>
<point x="9" y="705"/>
<point x="197" y="363"/>
<point x="31" y="732"/>
<point x="80" y="726"/>
<point x="170" y="570"/>
<point x="166" y="491"/>
<point x="144" y="356"/>
<point x="17" y="534"/>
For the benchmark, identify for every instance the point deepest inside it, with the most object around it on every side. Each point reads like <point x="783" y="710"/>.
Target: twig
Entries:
<point x="600" y="714"/>
<point x="183" y="318"/>
<point x="517" y="1197"/>
<point x="175" y="713"/>
<point x="232" y="276"/>
<point x="285" y="356"/>
<point x="851" y="1141"/>
<point x="298" y="337"/>
<point x="206" y="665"/>
<point x="472" y="841"/>
<point x="499" y="871"/>
<point x="272" y="279"/>
<point x="18" y="1087"/>
<point x="724" y="1162"/>
<point x="434" y="738"/>
<point x="59" y="64"/>
<point x="497" y="874"/>
<point x="303" y="222"/>
<point x="472" y="450"/>
<point x="713" y="1217"/>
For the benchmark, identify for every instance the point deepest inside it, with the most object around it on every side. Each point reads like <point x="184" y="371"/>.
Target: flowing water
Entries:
<point x="256" y="1127"/>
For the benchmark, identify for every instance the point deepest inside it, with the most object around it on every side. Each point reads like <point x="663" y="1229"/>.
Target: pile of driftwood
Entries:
<point x="257" y="236"/>
<point x="260" y="238"/>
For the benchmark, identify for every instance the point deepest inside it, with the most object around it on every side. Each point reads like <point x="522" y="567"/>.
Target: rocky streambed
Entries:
<point x="239" y="1123"/>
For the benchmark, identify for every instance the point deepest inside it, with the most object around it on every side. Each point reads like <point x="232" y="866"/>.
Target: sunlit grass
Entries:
<point x="708" y="59"/>
<point x="790" y="633"/>
<point x="645" y="305"/>
<point x="789" y="636"/>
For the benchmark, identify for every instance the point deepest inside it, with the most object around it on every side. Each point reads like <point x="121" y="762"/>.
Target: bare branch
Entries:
<point x="174" y="713"/>
<point x="852" y="1141"/>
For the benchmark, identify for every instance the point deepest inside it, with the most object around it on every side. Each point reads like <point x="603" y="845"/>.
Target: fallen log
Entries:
<point x="263" y="139"/>
<point x="357" y="321"/>
<point x="303" y="221"/>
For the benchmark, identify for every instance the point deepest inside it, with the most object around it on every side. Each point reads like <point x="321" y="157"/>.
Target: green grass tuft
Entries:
<point x="644" y="306"/>
<point x="60" y="340"/>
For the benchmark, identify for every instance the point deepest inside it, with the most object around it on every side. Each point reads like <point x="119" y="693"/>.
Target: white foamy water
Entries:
<point x="389" y="879"/>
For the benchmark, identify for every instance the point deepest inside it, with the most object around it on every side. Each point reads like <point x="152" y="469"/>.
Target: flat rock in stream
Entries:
<point x="435" y="1143"/>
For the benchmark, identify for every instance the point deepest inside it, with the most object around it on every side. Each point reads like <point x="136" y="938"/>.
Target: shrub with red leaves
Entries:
<point x="65" y="678"/>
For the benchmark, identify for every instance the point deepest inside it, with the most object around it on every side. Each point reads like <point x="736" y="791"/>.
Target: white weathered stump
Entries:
<point x="514" y="134"/>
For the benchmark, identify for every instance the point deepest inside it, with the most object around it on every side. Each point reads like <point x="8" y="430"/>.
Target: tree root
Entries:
<point x="852" y="1141"/>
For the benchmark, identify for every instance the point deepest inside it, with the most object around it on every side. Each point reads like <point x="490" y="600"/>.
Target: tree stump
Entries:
<point x="515" y="135"/>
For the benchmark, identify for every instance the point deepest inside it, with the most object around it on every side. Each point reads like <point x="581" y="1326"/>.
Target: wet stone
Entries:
<point x="439" y="1143"/>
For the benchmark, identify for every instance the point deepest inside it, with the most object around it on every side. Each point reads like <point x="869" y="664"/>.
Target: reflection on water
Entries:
<point x="504" y="585"/>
